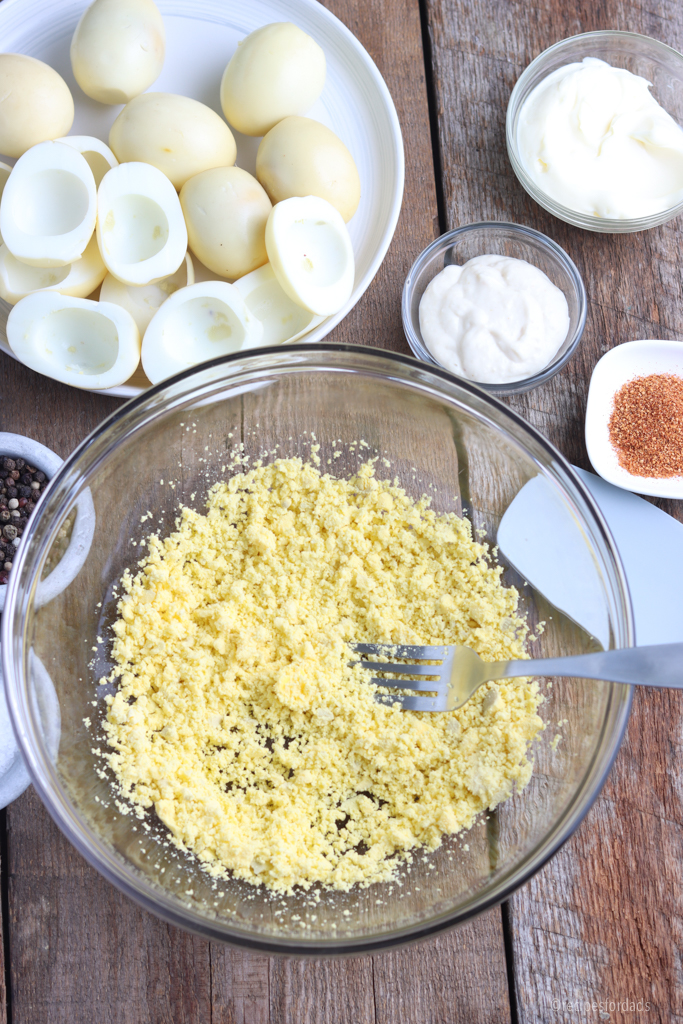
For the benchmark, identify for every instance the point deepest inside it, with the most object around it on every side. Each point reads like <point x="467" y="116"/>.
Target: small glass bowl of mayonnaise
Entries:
<point x="496" y="239"/>
<point x="594" y="131"/>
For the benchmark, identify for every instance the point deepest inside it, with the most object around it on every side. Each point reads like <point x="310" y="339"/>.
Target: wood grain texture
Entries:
<point x="454" y="979"/>
<point x="390" y="30"/>
<point x="603" y="921"/>
<point x="3" y="932"/>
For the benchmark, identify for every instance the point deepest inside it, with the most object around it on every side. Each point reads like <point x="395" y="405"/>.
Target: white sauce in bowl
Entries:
<point x="493" y="320"/>
<point x="594" y="139"/>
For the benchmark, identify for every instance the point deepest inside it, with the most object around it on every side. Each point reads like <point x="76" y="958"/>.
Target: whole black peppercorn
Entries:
<point x="20" y="488"/>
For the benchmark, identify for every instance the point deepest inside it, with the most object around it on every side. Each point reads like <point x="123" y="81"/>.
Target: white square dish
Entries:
<point x="620" y="365"/>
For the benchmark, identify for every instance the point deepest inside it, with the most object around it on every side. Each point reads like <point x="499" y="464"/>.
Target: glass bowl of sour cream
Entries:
<point x="499" y="304"/>
<point x="594" y="131"/>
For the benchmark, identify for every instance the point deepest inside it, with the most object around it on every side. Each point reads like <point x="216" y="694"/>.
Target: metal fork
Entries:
<point x="462" y="671"/>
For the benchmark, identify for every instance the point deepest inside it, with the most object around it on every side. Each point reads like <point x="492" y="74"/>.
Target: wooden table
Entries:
<point x="603" y="922"/>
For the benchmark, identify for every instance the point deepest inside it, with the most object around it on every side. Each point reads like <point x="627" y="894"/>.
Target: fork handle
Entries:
<point x="660" y="665"/>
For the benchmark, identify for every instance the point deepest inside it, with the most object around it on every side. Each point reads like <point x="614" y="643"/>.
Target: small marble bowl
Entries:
<point x="66" y="570"/>
<point x="618" y="366"/>
<point x="501" y="239"/>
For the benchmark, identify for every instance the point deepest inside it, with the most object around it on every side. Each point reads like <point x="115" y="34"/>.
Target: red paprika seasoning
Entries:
<point x="646" y="425"/>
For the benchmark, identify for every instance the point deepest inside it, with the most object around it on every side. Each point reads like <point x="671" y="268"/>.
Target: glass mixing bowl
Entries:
<point x="443" y="437"/>
<point x="653" y="60"/>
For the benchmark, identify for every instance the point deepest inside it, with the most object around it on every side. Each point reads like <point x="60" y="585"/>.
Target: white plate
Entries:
<point x="201" y="36"/>
<point x="619" y="365"/>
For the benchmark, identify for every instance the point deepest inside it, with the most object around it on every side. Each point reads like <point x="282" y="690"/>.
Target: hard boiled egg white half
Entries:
<point x="282" y="319"/>
<point x="310" y="251"/>
<point x="80" y="278"/>
<point x="142" y="301"/>
<point x="140" y="226"/>
<point x="98" y="155"/>
<point x="198" y="323"/>
<point x="93" y="345"/>
<point x="49" y="206"/>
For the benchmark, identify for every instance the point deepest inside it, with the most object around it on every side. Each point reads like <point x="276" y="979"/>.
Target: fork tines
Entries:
<point x="402" y="651"/>
<point x="430" y="683"/>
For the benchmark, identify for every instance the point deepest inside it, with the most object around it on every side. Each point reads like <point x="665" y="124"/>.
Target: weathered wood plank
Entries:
<point x="603" y="920"/>
<point x="322" y="992"/>
<point x="82" y="952"/>
<point x="454" y="979"/>
<point x="3" y="965"/>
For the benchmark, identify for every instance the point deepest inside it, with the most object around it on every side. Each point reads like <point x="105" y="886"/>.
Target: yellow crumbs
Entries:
<point x="237" y="715"/>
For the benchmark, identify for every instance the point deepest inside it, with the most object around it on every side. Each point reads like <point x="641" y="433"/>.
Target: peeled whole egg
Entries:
<point x="118" y="49"/>
<point x="178" y="135"/>
<point x="311" y="253"/>
<point x="301" y="157"/>
<point x="226" y="212"/>
<point x="35" y="105"/>
<point x="142" y="301"/>
<point x="98" y="155"/>
<point x="93" y="345"/>
<point x="276" y="71"/>
<point x="49" y="206"/>
<point x="282" y="319"/>
<point x="80" y="278"/>
<point x="140" y="227"/>
<point x="198" y="323"/>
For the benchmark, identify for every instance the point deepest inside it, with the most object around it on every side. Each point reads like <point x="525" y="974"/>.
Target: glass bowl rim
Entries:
<point x="604" y="225"/>
<point x="553" y="249"/>
<point x="162" y="905"/>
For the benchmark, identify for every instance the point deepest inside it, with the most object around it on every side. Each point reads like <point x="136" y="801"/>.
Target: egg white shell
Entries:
<point x="5" y="171"/>
<point x="79" y="279"/>
<point x="93" y="345"/>
<point x="276" y="71"/>
<point x="49" y="206"/>
<point x="198" y="323"/>
<point x="282" y="319"/>
<point x="310" y="251"/>
<point x="140" y="226"/>
<point x="98" y="155"/>
<point x="142" y="301"/>
<point x="35" y="103"/>
<point x="118" y="49"/>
